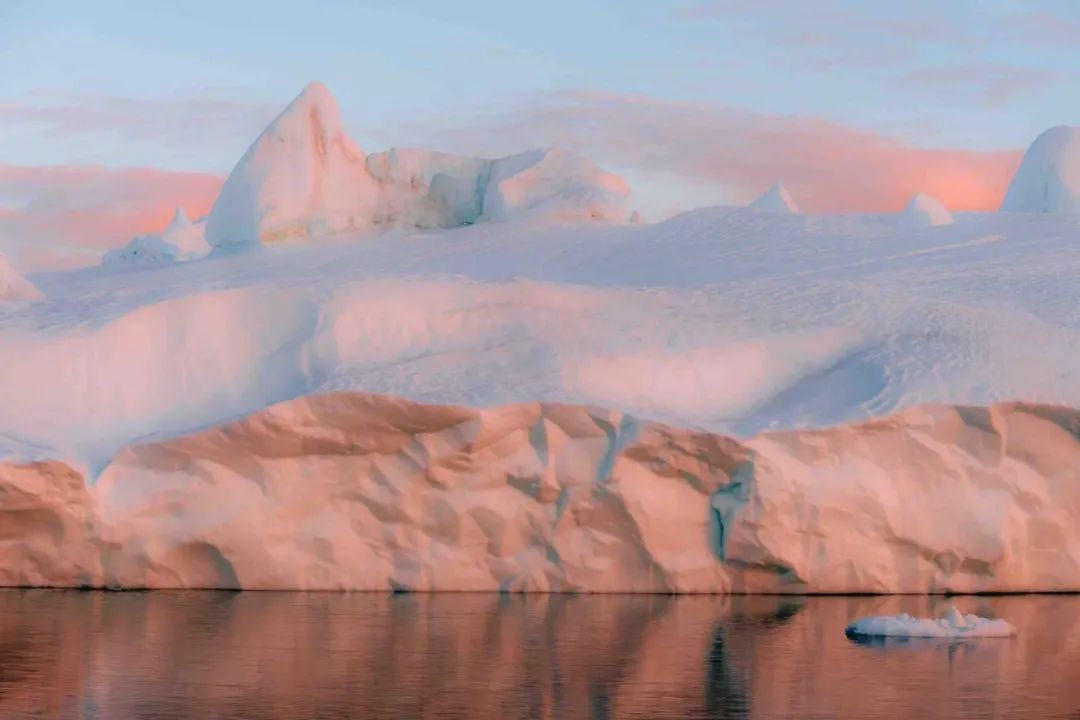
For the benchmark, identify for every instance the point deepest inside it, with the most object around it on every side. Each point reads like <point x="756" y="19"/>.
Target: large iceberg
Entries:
<point x="304" y="177"/>
<point x="353" y="491"/>
<point x="1048" y="179"/>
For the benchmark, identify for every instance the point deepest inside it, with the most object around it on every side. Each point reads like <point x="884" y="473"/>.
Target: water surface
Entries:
<point x="67" y="654"/>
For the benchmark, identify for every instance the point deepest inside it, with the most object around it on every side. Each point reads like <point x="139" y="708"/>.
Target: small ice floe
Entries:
<point x="954" y="625"/>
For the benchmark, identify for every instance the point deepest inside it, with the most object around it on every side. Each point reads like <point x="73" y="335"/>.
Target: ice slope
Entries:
<point x="181" y="240"/>
<point x="724" y="319"/>
<point x="954" y="625"/>
<point x="352" y="491"/>
<point x="925" y="211"/>
<point x="776" y="200"/>
<point x="303" y="177"/>
<point x="1048" y="179"/>
<point x="14" y="286"/>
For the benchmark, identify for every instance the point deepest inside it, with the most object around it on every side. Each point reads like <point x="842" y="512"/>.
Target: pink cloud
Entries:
<point x="829" y="167"/>
<point x="76" y="212"/>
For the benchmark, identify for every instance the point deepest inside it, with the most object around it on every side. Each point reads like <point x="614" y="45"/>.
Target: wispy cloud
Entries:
<point x="906" y="39"/>
<point x="183" y="121"/>
<point x="828" y="166"/>
<point x="989" y="84"/>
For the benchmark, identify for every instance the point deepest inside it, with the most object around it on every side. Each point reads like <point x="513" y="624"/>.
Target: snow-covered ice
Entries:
<point x="725" y="319"/>
<point x="954" y="625"/>
<point x="1048" y="179"/>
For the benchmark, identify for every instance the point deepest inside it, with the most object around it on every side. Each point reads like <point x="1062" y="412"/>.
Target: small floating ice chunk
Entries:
<point x="953" y="625"/>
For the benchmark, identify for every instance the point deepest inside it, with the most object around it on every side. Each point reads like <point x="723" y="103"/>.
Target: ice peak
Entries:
<point x="925" y="211"/>
<point x="1048" y="179"/>
<point x="179" y="219"/>
<point x="314" y="112"/>
<point x="776" y="199"/>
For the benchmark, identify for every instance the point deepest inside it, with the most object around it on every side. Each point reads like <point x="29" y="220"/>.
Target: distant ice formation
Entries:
<point x="181" y="240"/>
<point x="925" y="211"/>
<point x="1048" y="179"/>
<point x="776" y="200"/>
<point x="304" y="177"/>
<point x="14" y="286"/>
<point x="954" y="625"/>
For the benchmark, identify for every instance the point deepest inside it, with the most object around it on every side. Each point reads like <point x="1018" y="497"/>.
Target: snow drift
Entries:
<point x="925" y="211"/>
<point x="181" y="240"/>
<point x="1048" y="179"/>
<point x="304" y="177"/>
<point x="367" y="492"/>
<point x="14" y="286"/>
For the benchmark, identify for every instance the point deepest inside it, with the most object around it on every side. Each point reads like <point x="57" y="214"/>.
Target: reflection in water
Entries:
<point x="321" y="655"/>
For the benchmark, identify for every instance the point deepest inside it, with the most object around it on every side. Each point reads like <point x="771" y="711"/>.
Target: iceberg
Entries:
<point x="180" y="241"/>
<point x="304" y="177"/>
<point x="954" y="625"/>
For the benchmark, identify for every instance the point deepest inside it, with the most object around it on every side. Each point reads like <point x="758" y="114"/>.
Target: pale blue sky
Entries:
<point x="186" y="85"/>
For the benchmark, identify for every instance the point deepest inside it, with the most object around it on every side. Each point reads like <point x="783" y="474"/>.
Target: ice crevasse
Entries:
<point x="357" y="491"/>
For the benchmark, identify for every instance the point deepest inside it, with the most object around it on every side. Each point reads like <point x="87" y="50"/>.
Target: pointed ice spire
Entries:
<point x="777" y="200"/>
<point x="925" y="211"/>
<point x="302" y="175"/>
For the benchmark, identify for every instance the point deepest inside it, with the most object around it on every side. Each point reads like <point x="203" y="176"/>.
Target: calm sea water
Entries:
<point x="322" y="655"/>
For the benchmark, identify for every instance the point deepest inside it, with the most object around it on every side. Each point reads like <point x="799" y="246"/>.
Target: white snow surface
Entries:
<point x="1048" y="179"/>
<point x="180" y="241"/>
<point x="14" y="286"/>
<point x="776" y="199"/>
<point x="954" y="625"/>
<point x="725" y="319"/>
<point x="304" y="177"/>
<point x="925" y="211"/>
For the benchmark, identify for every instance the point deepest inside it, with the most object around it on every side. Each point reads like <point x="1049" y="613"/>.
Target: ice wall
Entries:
<point x="353" y="491"/>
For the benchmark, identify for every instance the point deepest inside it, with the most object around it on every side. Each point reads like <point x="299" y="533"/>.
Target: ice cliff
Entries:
<point x="356" y="491"/>
<point x="304" y="177"/>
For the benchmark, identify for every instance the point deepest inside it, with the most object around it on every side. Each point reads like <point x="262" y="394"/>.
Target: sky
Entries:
<point x="852" y="104"/>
